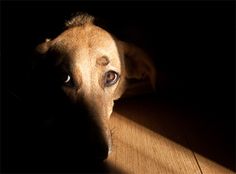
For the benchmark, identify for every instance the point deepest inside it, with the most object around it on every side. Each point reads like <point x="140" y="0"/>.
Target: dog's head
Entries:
<point x="90" y="68"/>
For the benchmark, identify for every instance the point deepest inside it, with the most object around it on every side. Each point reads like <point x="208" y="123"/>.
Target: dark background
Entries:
<point x="192" y="44"/>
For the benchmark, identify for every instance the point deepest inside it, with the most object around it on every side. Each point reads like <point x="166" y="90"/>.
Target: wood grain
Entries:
<point x="140" y="150"/>
<point x="208" y="166"/>
<point x="141" y="146"/>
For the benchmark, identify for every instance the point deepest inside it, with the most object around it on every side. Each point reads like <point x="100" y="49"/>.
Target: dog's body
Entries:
<point x="92" y="68"/>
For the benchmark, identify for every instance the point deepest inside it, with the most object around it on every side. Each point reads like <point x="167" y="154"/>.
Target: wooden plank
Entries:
<point x="152" y="137"/>
<point x="138" y="149"/>
<point x="209" y="167"/>
<point x="210" y="143"/>
<point x="210" y="151"/>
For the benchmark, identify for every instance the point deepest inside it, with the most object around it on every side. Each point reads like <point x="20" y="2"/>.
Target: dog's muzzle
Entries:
<point x="94" y="133"/>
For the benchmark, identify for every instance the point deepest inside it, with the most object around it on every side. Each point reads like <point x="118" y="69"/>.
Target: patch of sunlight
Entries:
<point x="137" y="149"/>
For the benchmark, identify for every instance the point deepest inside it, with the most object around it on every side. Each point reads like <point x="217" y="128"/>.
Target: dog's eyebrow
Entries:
<point x="103" y="61"/>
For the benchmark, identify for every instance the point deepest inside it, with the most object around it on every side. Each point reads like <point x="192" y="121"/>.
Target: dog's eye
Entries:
<point x="111" y="77"/>
<point x="67" y="80"/>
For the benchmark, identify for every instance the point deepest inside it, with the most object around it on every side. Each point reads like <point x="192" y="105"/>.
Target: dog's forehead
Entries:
<point x="88" y="40"/>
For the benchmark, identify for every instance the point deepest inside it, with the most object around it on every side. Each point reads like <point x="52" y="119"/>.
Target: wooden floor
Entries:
<point x="150" y="138"/>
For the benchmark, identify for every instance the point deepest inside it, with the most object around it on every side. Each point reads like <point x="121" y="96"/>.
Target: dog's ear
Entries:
<point x="40" y="52"/>
<point x="43" y="47"/>
<point x="140" y="70"/>
<point x="40" y="61"/>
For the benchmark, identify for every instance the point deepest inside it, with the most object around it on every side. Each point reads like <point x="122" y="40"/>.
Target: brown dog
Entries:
<point x="95" y="68"/>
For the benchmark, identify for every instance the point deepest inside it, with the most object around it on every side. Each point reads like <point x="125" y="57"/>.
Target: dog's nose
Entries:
<point x="100" y="145"/>
<point x="101" y="151"/>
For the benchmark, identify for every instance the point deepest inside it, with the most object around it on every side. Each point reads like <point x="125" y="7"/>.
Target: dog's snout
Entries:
<point x="101" y="150"/>
<point x="101" y="144"/>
